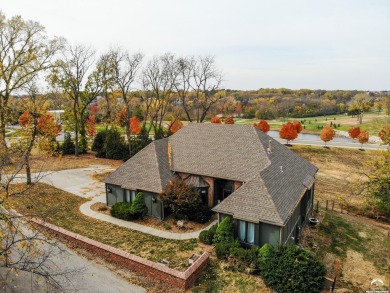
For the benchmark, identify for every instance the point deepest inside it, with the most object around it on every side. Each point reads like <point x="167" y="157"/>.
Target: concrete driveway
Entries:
<point x="76" y="181"/>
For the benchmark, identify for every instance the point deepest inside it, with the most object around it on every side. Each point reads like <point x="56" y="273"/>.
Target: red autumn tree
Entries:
<point x="354" y="132"/>
<point x="216" y="120"/>
<point x="384" y="134"/>
<point x="229" y="120"/>
<point x="327" y="134"/>
<point x="91" y="126"/>
<point x="25" y="119"/>
<point x="298" y="126"/>
<point x="121" y="118"/>
<point x="288" y="132"/>
<point x="363" y="137"/>
<point x="176" y="125"/>
<point x="94" y="109"/>
<point x="47" y="126"/>
<point x="135" y="125"/>
<point x="263" y="126"/>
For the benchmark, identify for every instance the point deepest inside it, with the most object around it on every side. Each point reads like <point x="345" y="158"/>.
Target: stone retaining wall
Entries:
<point x="135" y="263"/>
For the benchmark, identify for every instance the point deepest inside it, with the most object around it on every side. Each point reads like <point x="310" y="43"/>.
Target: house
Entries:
<point x="241" y="173"/>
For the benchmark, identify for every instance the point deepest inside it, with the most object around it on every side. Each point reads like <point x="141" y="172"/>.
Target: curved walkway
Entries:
<point x="86" y="210"/>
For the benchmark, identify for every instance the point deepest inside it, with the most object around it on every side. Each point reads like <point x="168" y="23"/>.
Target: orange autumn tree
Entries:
<point x="216" y="120"/>
<point x="91" y="125"/>
<point x="363" y="137"/>
<point x="288" y="132"/>
<point x="327" y="134"/>
<point x="229" y="120"/>
<point x="354" y="132"/>
<point x="175" y="126"/>
<point x="263" y="126"/>
<point x="121" y="118"/>
<point x="47" y="130"/>
<point x="25" y="120"/>
<point x="135" y="125"/>
<point x="298" y="126"/>
<point x="384" y="134"/>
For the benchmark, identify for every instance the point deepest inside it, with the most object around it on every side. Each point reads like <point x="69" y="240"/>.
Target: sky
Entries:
<point x="313" y="44"/>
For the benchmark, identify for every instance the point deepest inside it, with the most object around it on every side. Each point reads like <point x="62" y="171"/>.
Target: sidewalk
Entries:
<point x="86" y="210"/>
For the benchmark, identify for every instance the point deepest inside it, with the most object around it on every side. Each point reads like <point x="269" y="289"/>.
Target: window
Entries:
<point x="130" y="195"/>
<point x="246" y="232"/>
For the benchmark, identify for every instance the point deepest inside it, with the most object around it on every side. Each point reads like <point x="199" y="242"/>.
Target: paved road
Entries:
<point x="354" y="145"/>
<point x="85" y="276"/>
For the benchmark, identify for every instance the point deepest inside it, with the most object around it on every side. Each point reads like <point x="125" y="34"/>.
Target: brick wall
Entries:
<point x="135" y="263"/>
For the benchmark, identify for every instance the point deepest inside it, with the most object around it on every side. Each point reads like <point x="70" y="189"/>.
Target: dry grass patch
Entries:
<point x="62" y="209"/>
<point x="41" y="163"/>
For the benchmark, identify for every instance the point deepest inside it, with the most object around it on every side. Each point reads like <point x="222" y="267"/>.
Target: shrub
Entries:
<point x="68" y="146"/>
<point x="223" y="249"/>
<point x="204" y="237"/>
<point x="207" y="236"/>
<point x="98" y="144"/>
<point x="83" y="145"/>
<point x="138" y="207"/>
<point x="166" y="226"/>
<point x="122" y="210"/>
<point x="202" y="215"/>
<point x="224" y="232"/>
<point x="115" y="145"/>
<point x="244" y="259"/>
<point x="291" y="269"/>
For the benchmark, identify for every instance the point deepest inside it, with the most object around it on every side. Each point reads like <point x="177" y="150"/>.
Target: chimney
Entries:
<point x="170" y="155"/>
<point x="269" y="149"/>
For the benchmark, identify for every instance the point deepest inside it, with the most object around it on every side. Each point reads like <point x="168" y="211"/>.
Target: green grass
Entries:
<point x="337" y="235"/>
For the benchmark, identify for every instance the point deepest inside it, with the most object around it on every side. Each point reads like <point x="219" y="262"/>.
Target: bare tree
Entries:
<point x="25" y="51"/>
<point x="126" y="67"/>
<point x="70" y="75"/>
<point x="158" y="81"/>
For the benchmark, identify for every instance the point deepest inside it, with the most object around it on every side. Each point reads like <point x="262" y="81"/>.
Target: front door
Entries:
<point x="222" y="189"/>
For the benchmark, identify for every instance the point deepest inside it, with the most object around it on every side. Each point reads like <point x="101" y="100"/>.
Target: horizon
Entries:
<point x="300" y="45"/>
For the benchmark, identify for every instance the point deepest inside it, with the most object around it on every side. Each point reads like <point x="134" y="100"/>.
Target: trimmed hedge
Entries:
<point x="224" y="231"/>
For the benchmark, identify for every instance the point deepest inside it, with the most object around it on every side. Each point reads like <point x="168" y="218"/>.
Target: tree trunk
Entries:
<point x="28" y="169"/>
<point x="76" y="128"/>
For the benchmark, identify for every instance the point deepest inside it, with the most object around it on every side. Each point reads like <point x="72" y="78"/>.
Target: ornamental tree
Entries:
<point x="216" y="120"/>
<point x="288" y="132"/>
<point x="182" y="198"/>
<point x="363" y="137"/>
<point x="135" y="125"/>
<point x="354" y="132"/>
<point x="384" y="134"/>
<point x="229" y="120"/>
<point x="91" y="126"/>
<point x="327" y="134"/>
<point x="298" y="126"/>
<point x="175" y="126"/>
<point x="121" y="119"/>
<point x="263" y="126"/>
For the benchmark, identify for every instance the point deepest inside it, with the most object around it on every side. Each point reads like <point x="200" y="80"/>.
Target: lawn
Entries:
<point x="362" y="246"/>
<point x="62" y="209"/>
<point x="373" y="122"/>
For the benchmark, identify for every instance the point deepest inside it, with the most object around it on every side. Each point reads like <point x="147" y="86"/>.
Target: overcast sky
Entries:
<point x="257" y="44"/>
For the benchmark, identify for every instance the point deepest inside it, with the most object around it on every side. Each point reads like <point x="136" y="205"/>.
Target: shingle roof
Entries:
<point x="147" y="170"/>
<point x="273" y="182"/>
<point x="275" y="191"/>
